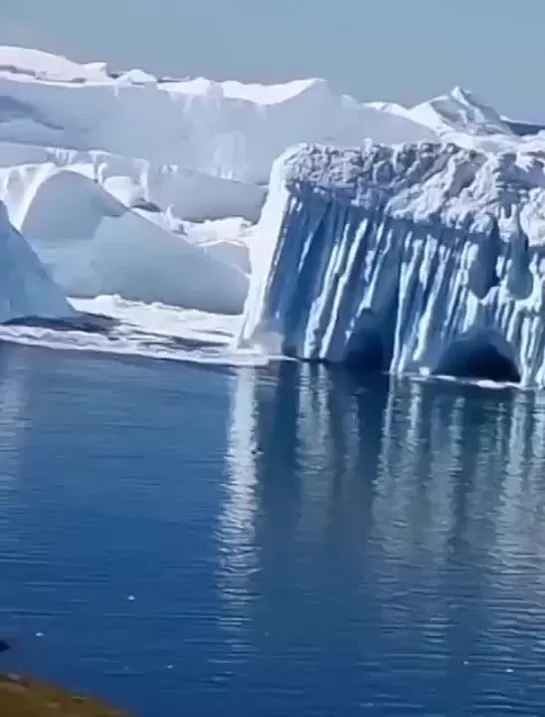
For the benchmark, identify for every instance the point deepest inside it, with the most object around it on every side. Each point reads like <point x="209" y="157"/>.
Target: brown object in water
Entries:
<point x="25" y="697"/>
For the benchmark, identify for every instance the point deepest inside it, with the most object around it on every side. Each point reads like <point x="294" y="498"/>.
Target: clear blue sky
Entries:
<point x="404" y="50"/>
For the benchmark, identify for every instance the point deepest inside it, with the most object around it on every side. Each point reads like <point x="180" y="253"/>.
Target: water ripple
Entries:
<point x="289" y="540"/>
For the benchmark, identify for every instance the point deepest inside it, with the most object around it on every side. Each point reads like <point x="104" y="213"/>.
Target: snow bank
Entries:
<point x="26" y="290"/>
<point x="415" y="258"/>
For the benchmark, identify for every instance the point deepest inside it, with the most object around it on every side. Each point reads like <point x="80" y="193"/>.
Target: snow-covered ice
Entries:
<point x="175" y="156"/>
<point x="93" y="244"/>
<point x="163" y="204"/>
<point x="225" y="129"/>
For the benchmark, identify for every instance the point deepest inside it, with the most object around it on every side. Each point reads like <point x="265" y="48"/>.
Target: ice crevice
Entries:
<point x="423" y="259"/>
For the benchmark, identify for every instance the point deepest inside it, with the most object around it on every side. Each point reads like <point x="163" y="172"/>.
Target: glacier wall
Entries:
<point x="423" y="258"/>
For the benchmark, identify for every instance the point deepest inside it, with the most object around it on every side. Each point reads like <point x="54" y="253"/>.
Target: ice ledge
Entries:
<point x="426" y="182"/>
<point x="426" y="258"/>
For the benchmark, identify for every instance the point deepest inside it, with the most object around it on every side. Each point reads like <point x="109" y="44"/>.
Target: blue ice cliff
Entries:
<point x="423" y="258"/>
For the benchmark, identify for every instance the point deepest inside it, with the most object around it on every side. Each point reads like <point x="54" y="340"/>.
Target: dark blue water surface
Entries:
<point x="271" y="542"/>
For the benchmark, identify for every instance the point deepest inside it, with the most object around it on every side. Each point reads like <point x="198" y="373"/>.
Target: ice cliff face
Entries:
<point x="26" y="290"/>
<point x="420" y="258"/>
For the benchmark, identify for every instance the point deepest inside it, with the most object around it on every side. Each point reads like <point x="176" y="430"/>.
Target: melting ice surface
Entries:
<point x="421" y="252"/>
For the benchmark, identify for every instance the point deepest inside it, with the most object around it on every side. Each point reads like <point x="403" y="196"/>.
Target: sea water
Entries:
<point x="274" y="541"/>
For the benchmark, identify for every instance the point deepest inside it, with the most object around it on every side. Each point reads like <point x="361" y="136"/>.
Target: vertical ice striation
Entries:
<point x="409" y="259"/>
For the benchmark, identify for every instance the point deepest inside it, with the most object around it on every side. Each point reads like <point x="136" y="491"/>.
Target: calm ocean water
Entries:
<point x="271" y="542"/>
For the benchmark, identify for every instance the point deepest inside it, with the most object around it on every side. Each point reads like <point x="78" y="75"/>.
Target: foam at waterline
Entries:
<point x="152" y="331"/>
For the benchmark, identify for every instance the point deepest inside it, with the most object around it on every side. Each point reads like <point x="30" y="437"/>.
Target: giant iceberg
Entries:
<point x="421" y="256"/>
<point x="425" y="258"/>
<point x="226" y="129"/>
<point x="111" y="205"/>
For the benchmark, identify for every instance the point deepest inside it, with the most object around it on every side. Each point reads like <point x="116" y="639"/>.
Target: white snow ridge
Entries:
<point x="226" y="222"/>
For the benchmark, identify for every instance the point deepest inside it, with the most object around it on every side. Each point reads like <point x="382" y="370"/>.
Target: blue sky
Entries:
<point x="404" y="50"/>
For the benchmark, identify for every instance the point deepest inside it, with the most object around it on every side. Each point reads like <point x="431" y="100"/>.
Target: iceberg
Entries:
<point x="459" y="110"/>
<point x="227" y="129"/>
<point x="422" y="251"/>
<point x="112" y="206"/>
<point x="94" y="244"/>
<point x="27" y="291"/>
<point x="420" y="258"/>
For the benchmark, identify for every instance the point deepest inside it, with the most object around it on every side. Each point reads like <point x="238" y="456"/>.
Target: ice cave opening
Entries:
<point x="480" y="355"/>
<point x="370" y="356"/>
<point x="369" y="350"/>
